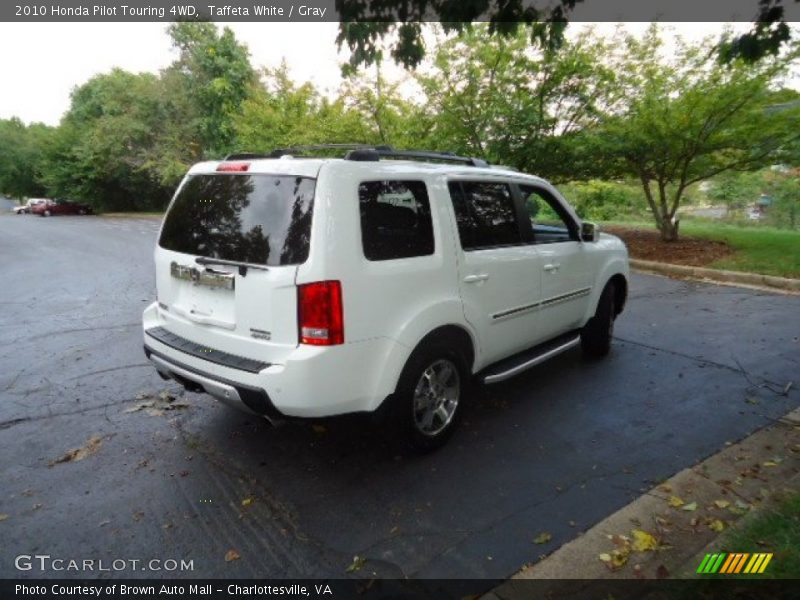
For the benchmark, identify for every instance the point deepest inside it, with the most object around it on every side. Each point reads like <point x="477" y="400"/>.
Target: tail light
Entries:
<point x="320" y="315"/>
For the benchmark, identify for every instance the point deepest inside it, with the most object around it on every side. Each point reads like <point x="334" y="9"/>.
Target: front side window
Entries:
<point x="260" y="219"/>
<point x="485" y="214"/>
<point x="549" y="220"/>
<point x="395" y="219"/>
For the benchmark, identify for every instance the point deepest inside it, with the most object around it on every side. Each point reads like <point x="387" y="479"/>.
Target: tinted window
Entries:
<point x="395" y="219"/>
<point x="549" y="220"/>
<point x="485" y="214"/>
<point x="262" y="219"/>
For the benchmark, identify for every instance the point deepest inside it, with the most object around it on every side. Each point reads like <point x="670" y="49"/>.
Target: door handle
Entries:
<point x="552" y="267"/>
<point x="476" y="278"/>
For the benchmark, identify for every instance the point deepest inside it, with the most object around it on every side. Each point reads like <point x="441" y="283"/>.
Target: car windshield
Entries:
<point x="260" y="219"/>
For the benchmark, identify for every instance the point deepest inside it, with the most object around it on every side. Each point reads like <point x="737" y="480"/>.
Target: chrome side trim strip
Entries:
<point x="549" y="302"/>
<point x="517" y="369"/>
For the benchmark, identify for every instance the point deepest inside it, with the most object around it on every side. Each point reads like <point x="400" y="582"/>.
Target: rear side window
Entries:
<point x="395" y="219"/>
<point x="485" y="214"/>
<point x="260" y="219"/>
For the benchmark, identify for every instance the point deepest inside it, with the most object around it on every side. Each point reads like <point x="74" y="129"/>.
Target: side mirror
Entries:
<point x="590" y="232"/>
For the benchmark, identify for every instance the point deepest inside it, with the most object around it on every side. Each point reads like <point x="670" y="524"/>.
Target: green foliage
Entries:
<point x="366" y="37"/>
<point x="736" y="189"/>
<point x="21" y="150"/>
<point x="597" y="200"/>
<point x="784" y="188"/>
<point x="216" y="70"/>
<point x="496" y="97"/>
<point x="101" y="152"/>
<point x="674" y="121"/>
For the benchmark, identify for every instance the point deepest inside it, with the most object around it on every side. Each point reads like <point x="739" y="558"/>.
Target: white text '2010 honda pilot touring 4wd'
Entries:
<point x="307" y="287"/>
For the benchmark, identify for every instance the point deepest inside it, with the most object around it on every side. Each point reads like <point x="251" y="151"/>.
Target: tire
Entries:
<point x="430" y="395"/>
<point x="46" y="213"/>
<point x="597" y="333"/>
<point x="82" y="211"/>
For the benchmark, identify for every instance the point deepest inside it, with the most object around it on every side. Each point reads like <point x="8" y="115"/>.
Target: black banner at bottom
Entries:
<point x="397" y="589"/>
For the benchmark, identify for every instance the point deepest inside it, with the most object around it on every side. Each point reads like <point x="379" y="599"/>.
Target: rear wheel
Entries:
<point x="429" y="396"/>
<point x="46" y="213"/>
<point x="597" y="333"/>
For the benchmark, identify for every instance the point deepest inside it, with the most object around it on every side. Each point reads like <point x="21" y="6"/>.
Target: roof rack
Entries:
<point x="245" y="156"/>
<point x="366" y="153"/>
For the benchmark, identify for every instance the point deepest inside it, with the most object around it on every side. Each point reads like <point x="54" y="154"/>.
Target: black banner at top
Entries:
<point x="389" y="10"/>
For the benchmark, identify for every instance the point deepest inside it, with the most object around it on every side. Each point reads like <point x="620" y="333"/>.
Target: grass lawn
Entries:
<point x="755" y="249"/>
<point x="776" y="530"/>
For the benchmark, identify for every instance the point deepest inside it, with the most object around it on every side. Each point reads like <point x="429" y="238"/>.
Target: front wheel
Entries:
<point x="597" y="333"/>
<point x="430" y="396"/>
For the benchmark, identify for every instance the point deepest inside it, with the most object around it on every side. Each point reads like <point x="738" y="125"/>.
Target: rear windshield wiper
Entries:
<point x="243" y="266"/>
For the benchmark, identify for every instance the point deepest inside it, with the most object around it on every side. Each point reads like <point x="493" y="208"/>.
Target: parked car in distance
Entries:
<point x="384" y="282"/>
<point x="61" y="207"/>
<point x="27" y="208"/>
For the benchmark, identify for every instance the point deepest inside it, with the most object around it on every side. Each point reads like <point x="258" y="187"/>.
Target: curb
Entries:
<point x="725" y="487"/>
<point x="730" y="277"/>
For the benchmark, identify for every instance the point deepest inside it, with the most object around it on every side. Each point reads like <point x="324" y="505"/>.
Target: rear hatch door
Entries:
<point x="227" y="259"/>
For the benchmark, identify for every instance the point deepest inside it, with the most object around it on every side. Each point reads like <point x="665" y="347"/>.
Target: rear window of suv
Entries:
<point x="260" y="219"/>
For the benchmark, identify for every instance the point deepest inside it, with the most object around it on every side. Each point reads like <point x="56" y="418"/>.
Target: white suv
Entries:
<point x="307" y="287"/>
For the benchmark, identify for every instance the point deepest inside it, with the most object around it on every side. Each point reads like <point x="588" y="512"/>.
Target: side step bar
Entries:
<point x="508" y="368"/>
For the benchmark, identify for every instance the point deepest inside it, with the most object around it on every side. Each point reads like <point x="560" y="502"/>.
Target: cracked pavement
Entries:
<point x="693" y="366"/>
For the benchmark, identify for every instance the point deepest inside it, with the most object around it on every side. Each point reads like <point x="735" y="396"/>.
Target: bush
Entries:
<point x="605" y="200"/>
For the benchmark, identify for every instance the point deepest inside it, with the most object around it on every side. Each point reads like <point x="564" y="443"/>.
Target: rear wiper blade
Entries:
<point x="243" y="266"/>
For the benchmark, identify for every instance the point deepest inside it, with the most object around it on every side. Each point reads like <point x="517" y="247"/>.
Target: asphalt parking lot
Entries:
<point x="555" y="450"/>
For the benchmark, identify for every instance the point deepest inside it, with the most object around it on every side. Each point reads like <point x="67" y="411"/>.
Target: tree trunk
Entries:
<point x="669" y="230"/>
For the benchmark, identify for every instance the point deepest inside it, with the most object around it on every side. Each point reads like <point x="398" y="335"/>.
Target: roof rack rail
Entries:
<point x="245" y="156"/>
<point x="378" y="152"/>
<point x="366" y="153"/>
<point x="278" y="152"/>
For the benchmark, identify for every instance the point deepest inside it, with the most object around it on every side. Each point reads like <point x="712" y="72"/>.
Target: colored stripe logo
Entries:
<point x="734" y="563"/>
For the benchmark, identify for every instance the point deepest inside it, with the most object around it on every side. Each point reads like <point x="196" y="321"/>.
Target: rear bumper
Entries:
<point x="249" y="399"/>
<point x="310" y="382"/>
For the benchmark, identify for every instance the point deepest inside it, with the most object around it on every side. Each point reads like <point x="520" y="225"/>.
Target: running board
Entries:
<point x="508" y="368"/>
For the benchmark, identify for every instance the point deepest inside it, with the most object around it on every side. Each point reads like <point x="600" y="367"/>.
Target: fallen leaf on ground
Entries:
<point x="155" y="407"/>
<point x="358" y="562"/>
<point x="742" y="505"/>
<point x="716" y="525"/>
<point x="643" y="541"/>
<point x="76" y="454"/>
<point x="247" y="502"/>
<point x="665" y="487"/>
<point x="3" y="517"/>
<point x="690" y="506"/>
<point x="722" y="503"/>
<point x="542" y="538"/>
<point x="104" y="523"/>
<point x="770" y="463"/>
<point x="232" y="555"/>
<point x="675" y="502"/>
<point x="615" y="559"/>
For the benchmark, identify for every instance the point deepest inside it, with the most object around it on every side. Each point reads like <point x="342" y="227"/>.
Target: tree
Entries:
<point x="365" y="24"/>
<point x="498" y="98"/>
<point x="216" y="73"/>
<point x="675" y="121"/>
<point x="21" y="150"/>
<point x="102" y="153"/>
